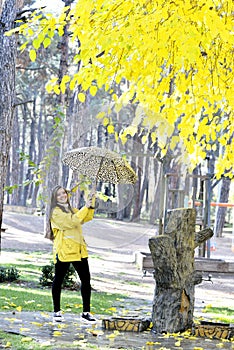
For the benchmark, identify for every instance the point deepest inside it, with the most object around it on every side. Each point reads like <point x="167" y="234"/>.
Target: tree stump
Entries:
<point x="173" y="259"/>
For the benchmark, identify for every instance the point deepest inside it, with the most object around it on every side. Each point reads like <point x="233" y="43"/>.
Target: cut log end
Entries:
<point x="203" y="236"/>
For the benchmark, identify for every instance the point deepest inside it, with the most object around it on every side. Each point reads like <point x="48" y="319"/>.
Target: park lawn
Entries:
<point x="19" y="342"/>
<point x="14" y="341"/>
<point x="27" y="294"/>
<point x="220" y="314"/>
<point x="16" y="298"/>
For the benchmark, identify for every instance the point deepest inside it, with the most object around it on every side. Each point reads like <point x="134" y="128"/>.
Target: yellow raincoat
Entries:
<point x="69" y="243"/>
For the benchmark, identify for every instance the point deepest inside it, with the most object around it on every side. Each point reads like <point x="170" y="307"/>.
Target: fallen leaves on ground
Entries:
<point x="26" y="340"/>
<point x="57" y="334"/>
<point x="80" y="343"/>
<point x="7" y="345"/>
<point x="177" y="343"/>
<point x="24" y="329"/>
<point x="112" y="335"/>
<point x="38" y="324"/>
<point x="12" y="319"/>
<point x="95" y="332"/>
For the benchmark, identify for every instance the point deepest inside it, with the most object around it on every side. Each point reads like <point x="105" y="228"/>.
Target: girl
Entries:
<point x="69" y="247"/>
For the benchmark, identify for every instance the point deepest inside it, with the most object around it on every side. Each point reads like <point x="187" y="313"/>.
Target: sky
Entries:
<point x="51" y="5"/>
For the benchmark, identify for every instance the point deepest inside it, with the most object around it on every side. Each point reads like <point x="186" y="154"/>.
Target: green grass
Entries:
<point x="220" y="314"/>
<point x="16" y="297"/>
<point x="18" y="342"/>
<point x="13" y="341"/>
<point x="133" y="283"/>
<point x="28" y="295"/>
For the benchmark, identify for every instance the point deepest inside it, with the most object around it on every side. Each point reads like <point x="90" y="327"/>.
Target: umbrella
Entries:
<point x="100" y="164"/>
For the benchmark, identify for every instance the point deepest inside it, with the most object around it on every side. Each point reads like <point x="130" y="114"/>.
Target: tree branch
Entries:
<point x="20" y="67"/>
<point x="27" y="10"/>
<point x="22" y="103"/>
<point x="203" y="236"/>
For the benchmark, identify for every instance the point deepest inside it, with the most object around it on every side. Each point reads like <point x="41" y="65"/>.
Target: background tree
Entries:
<point x="223" y="195"/>
<point x="8" y="11"/>
<point x="178" y="64"/>
<point x="103" y="83"/>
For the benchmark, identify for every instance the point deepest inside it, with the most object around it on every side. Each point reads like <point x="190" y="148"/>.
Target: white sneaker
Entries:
<point x="58" y="317"/>
<point x="87" y="317"/>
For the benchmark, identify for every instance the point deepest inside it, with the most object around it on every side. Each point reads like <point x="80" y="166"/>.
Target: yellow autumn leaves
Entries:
<point x="9" y="304"/>
<point x="177" y="57"/>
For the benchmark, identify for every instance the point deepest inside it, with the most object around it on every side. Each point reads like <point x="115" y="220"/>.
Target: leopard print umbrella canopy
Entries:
<point x="100" y="164"/>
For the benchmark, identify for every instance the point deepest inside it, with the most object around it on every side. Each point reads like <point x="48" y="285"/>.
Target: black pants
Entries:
<point x="82" y="268"/>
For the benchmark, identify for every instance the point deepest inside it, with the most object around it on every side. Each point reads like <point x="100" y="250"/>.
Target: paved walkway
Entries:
<point x="39" y="327"/>
<point x="112" y="247"/>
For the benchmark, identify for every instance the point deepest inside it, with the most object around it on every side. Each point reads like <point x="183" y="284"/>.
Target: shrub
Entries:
<point x="48" y="275"/>
<point x="9" y="274"/>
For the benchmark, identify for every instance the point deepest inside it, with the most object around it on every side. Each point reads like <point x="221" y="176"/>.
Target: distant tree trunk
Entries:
<point x="29" y="176"/>
<point x="145" y="184"/>
<point x="41" y="146"/>
<point x="34" y="150"/>
<point x="137" y="151"/>
<point x="100" y="135"/>
<point x="194" y="194"/>
<point x="15" y="159"/>
<point x="125" y="211"/>
<point x="155" y="208"/>
<point x="53" y="173"/>
<point x="32" y="146"/>
<point x="220" y="212"/>
<point x="8" y="182"/>
<point x="40" y="139"/>
<point x="23" y="150"/>
<point x="8" y="11"/>
<point x="125" y="199"/>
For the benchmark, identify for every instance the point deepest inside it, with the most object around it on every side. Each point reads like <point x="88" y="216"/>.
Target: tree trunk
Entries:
<point x="158" y="195"/>
<point x="137" y="151"/>
<point x="29" y="175"/>
<point x="125" y="212"/>
<point x="220" y="212"/>
<point x="7" y="90"/>
<point x="173" y="258"/>
<point x="145" y="185"/>
<point x="33" y="150"/>
<point x="53" y="172"/>
<point x="14" y="171"/>
<point x="23" y="150"/>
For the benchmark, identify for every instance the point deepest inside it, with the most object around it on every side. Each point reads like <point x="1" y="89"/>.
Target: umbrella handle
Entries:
<point x="93" y="188"/>
<point x="91" y="197"/>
